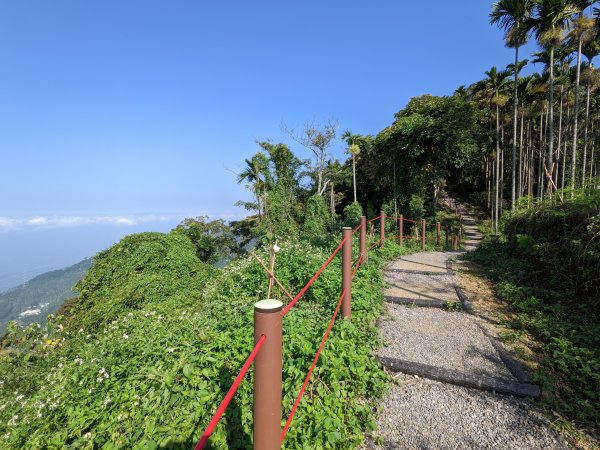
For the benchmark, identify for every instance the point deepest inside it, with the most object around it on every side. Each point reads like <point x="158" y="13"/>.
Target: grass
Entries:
<point x="569" y="338"/>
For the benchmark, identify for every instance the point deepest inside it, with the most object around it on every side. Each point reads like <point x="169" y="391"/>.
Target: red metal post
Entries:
<point x="267" y="375"/>
<point x="423" y="235"/>
<point x="382" y="229"/>
<point x="347" y="271"/>
<point x="401" y="228"/>
<point x="363" y="238"/>
<point x="439" y="232"/>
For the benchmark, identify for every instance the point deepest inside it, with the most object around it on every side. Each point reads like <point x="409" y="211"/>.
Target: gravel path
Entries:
<point x="451" y="340"/>
<point x="424" y="414"/>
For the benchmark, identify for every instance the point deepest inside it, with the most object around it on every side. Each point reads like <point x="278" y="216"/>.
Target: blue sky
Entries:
<point x="119" y="116"/>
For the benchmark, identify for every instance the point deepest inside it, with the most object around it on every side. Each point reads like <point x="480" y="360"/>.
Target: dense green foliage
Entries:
<point x="157" y="336"/>
<point x="214" y="240"/>
<point x="570" y="371"/>
<point x="408" y="162"/>
<point x="562" y="241"/>
<point x="141" y="271"/>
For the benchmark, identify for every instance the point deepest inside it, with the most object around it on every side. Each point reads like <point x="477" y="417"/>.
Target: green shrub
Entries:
<point x="150" y="374"/>
<point x="141" y="271"/>
<point x="352" y="214"/>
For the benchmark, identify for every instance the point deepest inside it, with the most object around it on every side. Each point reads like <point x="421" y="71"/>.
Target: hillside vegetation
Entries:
<point x="147" y="353"/>
<point x="548" y="270"/>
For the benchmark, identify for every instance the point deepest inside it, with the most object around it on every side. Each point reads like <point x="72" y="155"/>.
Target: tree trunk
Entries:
<point x="515" y="119"/>
<point x="592" y="155"/>
<point x="575" y="116"/>
<point x="550" y="122"/>
<point x="520" y="180"/>
<point x="560" y="115"/>
<point x="354" y="175"/>
<point x="497" y="165"/>
<point x="585" y="135"/>
<point x="564" y="160"/>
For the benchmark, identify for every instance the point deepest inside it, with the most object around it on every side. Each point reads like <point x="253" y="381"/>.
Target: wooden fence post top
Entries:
<point x="268" y="305"/>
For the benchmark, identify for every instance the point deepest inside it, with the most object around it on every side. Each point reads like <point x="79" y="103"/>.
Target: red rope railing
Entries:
<point x="311" y="369"/>
<point x="291" y="304"/>
<point x="236" y="383"/>
<point x="375" y="244"/>
<point x="230" y="393"/>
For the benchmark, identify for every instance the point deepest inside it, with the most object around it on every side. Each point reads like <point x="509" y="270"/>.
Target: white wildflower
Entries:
<point x="170" y="350"/>
<point x="276" y="248"/>
<point x="87" y="435"/>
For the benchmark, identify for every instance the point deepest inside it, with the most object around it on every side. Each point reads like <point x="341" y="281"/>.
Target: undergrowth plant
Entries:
<point x="150" y="373"/>
<point x="569" y="374"/>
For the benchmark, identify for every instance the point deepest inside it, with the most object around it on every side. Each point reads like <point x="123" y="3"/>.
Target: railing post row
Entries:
<point x="438" y="230"/>
<point x="382" y="229"/>
<point x="267" y="375"/>
<point x="401" y="229"/>
<point x="347" y="271"/>
<point x="423" y="231"/>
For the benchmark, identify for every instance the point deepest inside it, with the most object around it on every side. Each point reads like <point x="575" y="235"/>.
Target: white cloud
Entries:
<point x="7" y="223"/>
<point x="37" y="221"/>
<point x="20" y="223"/>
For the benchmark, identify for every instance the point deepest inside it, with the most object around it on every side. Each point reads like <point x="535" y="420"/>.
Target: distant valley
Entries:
<point x="43" y="295"/>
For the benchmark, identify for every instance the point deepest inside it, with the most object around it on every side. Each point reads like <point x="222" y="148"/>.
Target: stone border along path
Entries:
<point x="459" y="388"/>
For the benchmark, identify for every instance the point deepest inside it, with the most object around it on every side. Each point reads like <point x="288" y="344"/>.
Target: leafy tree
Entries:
<point x="317" y="138"/>
<point x="214" y="241"/>
<point x="354" y="151"/>
<point x="547" y="24"/>
<point x="510" y="15"/>
<point x="273" y="175"/>
<point x="429" y="138"/>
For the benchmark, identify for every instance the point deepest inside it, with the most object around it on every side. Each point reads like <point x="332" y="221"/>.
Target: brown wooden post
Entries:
<point x="382" y="229"/>
<point x="459" y="229"/>
<point x="347" y="271"/>
<point x="446" y="233"/>
<point x="439" y="232"/>
<point x="423" y="235"/>
<point x="401" y="227"/>
<point x="363" y="238"/>
<point x="267" y="375"/>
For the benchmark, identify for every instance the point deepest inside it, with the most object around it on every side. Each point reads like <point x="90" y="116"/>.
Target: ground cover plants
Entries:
<point x="149" y="373"/>
<point x="530" y="269"/>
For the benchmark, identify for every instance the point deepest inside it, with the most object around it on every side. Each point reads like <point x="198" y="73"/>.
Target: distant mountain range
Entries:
<point x="43" y="295"/>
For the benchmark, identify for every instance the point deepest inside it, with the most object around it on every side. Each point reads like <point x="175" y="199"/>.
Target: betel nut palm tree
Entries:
<point x="510" y="15"/>
<point x="547" y="24"/>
